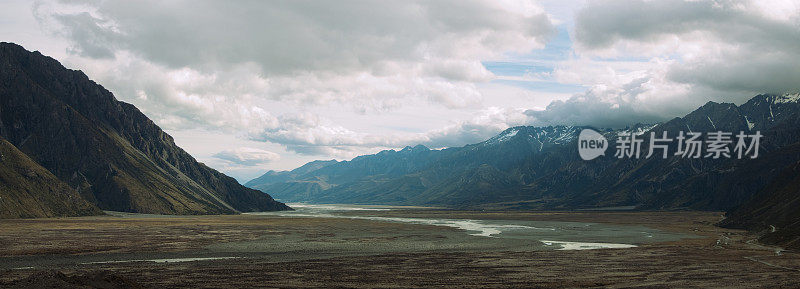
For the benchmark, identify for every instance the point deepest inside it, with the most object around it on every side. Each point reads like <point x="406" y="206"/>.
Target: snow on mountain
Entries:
<point x="787" y="98"/>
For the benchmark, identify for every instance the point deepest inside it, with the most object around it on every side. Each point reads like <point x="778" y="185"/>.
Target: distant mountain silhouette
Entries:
<point x="105" y="150"/>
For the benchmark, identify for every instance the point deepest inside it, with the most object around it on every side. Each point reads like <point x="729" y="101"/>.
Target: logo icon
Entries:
<point x="591" y="144"/>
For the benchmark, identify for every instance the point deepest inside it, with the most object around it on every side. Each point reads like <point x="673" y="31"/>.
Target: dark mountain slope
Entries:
<point x="28" y="190"/>
<point x="419" y="175"/>
<point x="108" y="150"/>
<point x="775" y="210"/>
<point x="677" y="182"/>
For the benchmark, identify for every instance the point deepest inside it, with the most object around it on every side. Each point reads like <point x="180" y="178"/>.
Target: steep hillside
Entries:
<point x="774" y="210"/>
<point x="28" y="190"/>
<point x="110" y="152"/>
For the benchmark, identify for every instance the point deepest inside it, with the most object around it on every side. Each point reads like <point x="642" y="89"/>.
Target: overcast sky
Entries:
<point x="249" y="86"/>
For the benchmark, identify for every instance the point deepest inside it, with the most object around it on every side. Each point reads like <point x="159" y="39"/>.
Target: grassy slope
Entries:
<point x="29" y="190"/>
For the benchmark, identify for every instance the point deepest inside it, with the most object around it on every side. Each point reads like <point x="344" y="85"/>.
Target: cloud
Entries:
<point x="648" y="61"/>
<point x="374" y="53"/>
<point x="734" y="46"/>
<point x="311" y="135"/>
<point x="260" y="68"/>
<point x="486" y="124"/>
<point x="760" y="71"/>
<point x="297" y="36"/>
<point x="646" y="100"/>
<point x="764" y="24"/>
<point x="247" y="156"/>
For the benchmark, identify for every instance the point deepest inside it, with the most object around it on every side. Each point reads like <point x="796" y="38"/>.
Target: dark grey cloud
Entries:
<point x="604" y="22"/>
<point x="88" y="41"/>
<point x="751" y="46"/>
<point x="285" y="37"/>
<point x="757" y="71"/>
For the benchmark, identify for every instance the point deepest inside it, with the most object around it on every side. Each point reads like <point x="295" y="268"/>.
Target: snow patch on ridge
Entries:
<point x="507" y="136"/>
<point x="788" y="98"/>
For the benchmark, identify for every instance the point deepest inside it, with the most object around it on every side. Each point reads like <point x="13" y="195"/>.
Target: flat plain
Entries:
<point x="149" y="251"/>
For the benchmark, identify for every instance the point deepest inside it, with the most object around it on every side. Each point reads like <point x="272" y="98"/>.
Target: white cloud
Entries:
<point x="247" y="156"/>
<point x="484" y="125"/>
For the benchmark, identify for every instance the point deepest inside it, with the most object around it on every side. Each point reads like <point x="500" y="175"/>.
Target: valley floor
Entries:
<point x="298" y="252"/>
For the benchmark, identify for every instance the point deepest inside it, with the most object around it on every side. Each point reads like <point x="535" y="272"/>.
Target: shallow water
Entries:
<point x="163" y="260"/>
<point x="551" y="234"/>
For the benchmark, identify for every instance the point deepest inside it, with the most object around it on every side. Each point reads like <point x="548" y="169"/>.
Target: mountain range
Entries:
<point x="539" y="168"/>
<point x="70" y="148"/>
